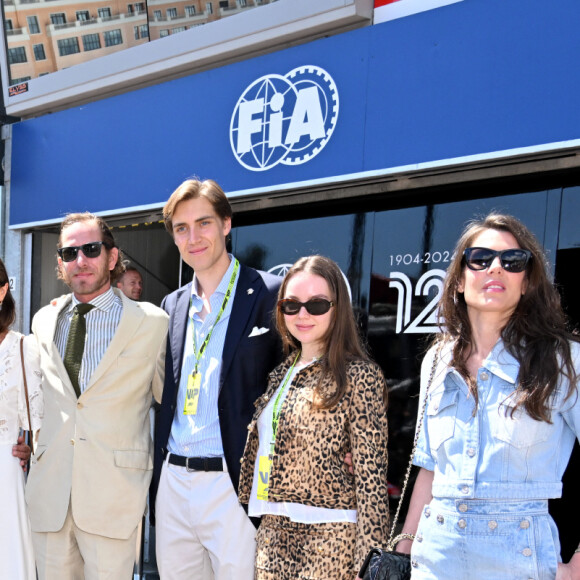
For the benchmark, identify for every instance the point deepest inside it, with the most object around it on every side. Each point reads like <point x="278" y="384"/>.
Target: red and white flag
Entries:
<point x="392" y="9"/>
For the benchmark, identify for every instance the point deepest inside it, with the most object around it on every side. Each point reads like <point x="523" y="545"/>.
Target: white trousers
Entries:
<point x="71" y="554"/>
<point x="202" y="532"/>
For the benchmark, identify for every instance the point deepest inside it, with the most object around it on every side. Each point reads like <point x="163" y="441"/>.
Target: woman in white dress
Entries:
<point x="16" y="553"/>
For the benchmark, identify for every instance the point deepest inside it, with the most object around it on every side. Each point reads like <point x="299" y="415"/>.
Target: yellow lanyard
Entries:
<point x="199" y="354"/>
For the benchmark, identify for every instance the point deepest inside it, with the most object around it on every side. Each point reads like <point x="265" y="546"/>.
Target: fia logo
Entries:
<point x="284" y="119"/>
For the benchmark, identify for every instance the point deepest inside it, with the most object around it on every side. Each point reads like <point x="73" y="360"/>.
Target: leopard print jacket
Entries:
<point x="308" y="466"/>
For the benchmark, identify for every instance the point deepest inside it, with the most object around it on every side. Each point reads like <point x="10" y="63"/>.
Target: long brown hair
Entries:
<point x="342" y="342"/>
<point x="8" y="311"/>
<point x="536" y="333"/>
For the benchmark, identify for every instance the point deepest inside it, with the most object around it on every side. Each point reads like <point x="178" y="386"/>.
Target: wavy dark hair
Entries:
<point x="342" y="342"/>
<point x="536" y="334"/>
<point x="106" y="236"/>
<point x="8" y="312"/>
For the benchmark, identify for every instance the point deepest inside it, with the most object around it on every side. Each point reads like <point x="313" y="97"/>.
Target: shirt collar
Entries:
<point x="219" y="292"/>
<point x="103" y="301"/>
<point x="502" y="364"/>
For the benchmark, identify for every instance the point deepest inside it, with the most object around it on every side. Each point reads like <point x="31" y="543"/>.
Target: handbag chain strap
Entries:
<point x="394" y="540"/>
<point x="26" y="394"/>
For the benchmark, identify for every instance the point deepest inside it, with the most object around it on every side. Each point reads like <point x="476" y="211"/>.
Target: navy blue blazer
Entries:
<point x="246" y="363"/>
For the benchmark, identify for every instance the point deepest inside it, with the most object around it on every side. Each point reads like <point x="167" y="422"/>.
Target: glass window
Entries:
<point x="144" y="30"/>
<point x="39" y="52"/>
<point x="190" y="10"/>
<point x="140" y="7"/>
<point x="91" y="42"/>
<point x="157" y="14"/>
<point x="171" y="13"/>
<point x="178" y="29"/>
<point x="136" y="32"/>
<point x="33" y="27"/>
<point x="113" y="37"/>
<point x="19" y="80"/>
<point x="68" y="46"/>
<point x="58" y="18"/>
<point x="104" y="13"/>
<point x="83" y="15"/>
<point x="8" y="24"/>
<point x="209" y="8"/>
<point x="163" y="33"/>
<point x="16" y="55"/>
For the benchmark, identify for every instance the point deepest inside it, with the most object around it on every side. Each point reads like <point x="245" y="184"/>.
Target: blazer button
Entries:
<point x="72" y="441"/>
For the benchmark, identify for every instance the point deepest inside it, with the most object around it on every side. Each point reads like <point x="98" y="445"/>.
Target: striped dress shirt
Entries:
<point x="101" y="321"/>
<point x="199" y="435"/>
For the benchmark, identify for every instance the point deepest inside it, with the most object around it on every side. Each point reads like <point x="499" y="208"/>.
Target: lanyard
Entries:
<point x="278" y="401"/>
<point x="199" y="354"/>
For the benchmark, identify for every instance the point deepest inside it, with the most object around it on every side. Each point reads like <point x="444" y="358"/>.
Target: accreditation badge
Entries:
<point x="264" y="467"/>
<point x="192" y="394"/>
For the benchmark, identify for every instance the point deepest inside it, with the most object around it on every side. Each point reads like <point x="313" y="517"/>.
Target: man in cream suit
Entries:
<point x="89" y="479"/>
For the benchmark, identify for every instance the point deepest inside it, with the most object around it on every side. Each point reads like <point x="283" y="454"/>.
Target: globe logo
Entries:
<point x="284" y="119"/>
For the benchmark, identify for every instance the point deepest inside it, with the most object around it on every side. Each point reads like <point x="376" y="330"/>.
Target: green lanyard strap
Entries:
<point x="223" y="307"/>
<point x="278" y="401"/>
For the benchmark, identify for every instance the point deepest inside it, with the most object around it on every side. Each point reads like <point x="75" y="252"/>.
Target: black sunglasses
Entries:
<point x="315" y="306"/>
<point x="514" y="260"/>
<point x="90" y="250"/>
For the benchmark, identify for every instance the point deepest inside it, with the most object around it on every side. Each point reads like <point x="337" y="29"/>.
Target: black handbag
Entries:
<point x="386" y="564"/>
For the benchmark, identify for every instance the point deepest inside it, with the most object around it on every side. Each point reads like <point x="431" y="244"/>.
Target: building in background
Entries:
<point x="366" y="131"/>
<point x="44" y="36"/>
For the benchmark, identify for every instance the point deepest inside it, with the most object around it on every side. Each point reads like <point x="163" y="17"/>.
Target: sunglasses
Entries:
<point x="315" y="306"/>
<point x="514" y="260"/>
<point x="90" y="250"/>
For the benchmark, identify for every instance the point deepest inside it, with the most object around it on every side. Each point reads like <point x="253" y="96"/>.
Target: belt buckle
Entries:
<point x="189" y="469"/>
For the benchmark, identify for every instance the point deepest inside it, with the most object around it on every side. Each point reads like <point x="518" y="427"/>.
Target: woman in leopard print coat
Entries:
<point x="324" y="401"/>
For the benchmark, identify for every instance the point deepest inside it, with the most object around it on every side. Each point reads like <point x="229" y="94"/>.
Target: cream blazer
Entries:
<point x="94" y="453"/>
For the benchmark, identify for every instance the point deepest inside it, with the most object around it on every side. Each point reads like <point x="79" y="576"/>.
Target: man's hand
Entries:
<point x="22" y="451"/>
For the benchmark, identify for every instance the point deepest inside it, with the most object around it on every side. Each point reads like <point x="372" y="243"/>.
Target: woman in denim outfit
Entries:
<point x="502" y="414"/>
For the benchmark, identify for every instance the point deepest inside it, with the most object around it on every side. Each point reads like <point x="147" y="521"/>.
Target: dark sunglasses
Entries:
<point x="315" y="306"/>
<point x="90" y="250"/>
<point x="513" y="260"/>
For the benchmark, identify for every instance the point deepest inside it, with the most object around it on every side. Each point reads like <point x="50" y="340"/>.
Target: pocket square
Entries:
<point x="257" y="331"/>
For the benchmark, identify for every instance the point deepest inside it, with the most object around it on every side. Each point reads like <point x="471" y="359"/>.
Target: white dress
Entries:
<point x="16" y="552"/>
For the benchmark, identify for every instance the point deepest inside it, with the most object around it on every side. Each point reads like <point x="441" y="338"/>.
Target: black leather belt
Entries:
<point x="197" y="463"/>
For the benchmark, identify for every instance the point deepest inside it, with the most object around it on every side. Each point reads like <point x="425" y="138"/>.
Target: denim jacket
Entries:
<point x="489" y="453"/>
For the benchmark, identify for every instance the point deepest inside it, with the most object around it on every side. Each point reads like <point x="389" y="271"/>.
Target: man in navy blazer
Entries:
<point x="221" y="346"/>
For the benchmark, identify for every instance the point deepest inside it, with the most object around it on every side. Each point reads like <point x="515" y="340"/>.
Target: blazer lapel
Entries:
<point x="129" y="324"/>
<point x="179" y="322"/>
<point x="242" y="308"/>
<point x="45" y="331"/>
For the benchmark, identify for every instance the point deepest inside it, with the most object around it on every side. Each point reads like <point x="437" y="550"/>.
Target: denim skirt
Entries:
<point x="485" y="539"/>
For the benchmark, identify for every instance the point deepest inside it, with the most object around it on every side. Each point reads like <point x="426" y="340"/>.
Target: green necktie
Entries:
<point x="75" y="344"/>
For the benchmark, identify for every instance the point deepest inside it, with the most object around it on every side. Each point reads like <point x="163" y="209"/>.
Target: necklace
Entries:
<point x="310" y="360"/>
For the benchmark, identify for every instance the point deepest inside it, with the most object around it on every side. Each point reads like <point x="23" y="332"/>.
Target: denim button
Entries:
<point x="465" y="489"/>
<point x="492" y="524"/>
<point x="462" y="524"/>
<point x="484" y="376"/>
<point x="414" y="563"/>
<point x="427" y="512"/>
<point x="440" y="518"/>
<point x="527" y="552"/>
<point x="418" y="538"/>
<point x="462" y="507"/>
<point x="471" y="452"/>
<point x="524" y="524"/>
